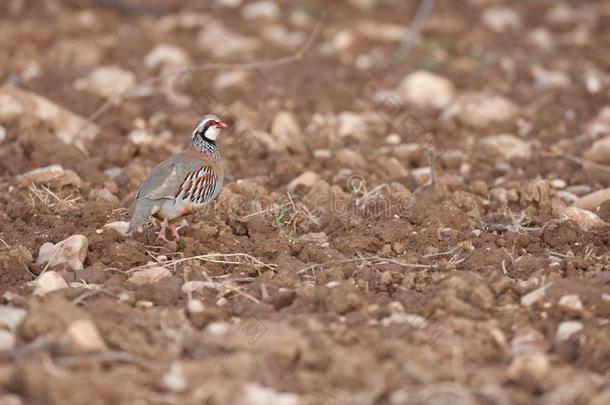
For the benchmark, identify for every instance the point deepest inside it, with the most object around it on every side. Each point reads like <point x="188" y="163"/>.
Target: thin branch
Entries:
<point x="369" y="259"/>
<point x="205" y="67"/>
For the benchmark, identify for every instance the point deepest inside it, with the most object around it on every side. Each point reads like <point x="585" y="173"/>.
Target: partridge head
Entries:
<point x="184" y="182"/>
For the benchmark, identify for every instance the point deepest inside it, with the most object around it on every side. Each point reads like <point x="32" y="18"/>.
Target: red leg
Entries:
<point x="161" y="233"/>
<point x="174" y="230"/>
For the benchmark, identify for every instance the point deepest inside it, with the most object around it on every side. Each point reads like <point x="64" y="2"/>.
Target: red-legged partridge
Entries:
<point x="183" y="183"/>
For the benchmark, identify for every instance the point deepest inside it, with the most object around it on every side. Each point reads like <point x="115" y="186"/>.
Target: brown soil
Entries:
<point x="328" y="317"/>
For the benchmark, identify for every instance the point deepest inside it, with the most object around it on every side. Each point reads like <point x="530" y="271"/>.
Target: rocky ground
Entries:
<point x="415" y="224"/>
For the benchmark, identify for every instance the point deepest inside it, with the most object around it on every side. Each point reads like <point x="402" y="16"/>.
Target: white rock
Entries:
<point x="421" y="175"/>
<point x="217" y="328"/>
<point x="287" y="132"/>
<point x="237" y="79"/>
<point x="599" y="152"/>
<point x="501" y="19"/>
<point x="306" y="181"/>
<point x="261" y="9"/>
<point x="529" y="369"/>
<point x="195" y="306"/>
<point x="197" y="285"/>
<point x="534" y="296"/>
<point x="72" y="251"/>
<point x="558" y="184"/>
<point x="350" y="158"/>
<point x="507" y="146"/>
<point x="228" y="3"/>
<point x="49" y="281"/>
<point x="586" y="220"/>
<point x="592" y="201"/>
<point x="150" y="276"/>
<point x="11" y="317"/>
<point x="141" y="137"/>
<point x="351" y="124"/>
<point x="84" y="337"/>
<point x="343" y="40"/>
<point x="393" y="139"/>
<point x="254" y="394"/>
<point x="549" y="79"/>
<point x="278" y="35"/>
<point x="174" y="379"/>
<point x="221" y="42"/>
<point x="7" y="341"/>
<point x="425" y="89"/>
<point x="600" y="125"/>
<point x="166" y="55"/>
<point x="107" y="81"/>
<point x="480" y="109"/>
<point x="67" y="126"/>
<point x="541" y="37"/>
<point x="2" y="134"/>
<point x="378" y="31"/>
<point x="54" y="176"/>
<point x="119" y="226"/>
<point x="570" y="302"/>
<point x="568" y="328"/>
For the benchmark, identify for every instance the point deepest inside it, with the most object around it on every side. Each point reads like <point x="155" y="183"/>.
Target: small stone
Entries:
<point x="529" y="370"/>
<point x="315" y="237"/>
<point x="217" y="328"/>
<point x="541" y="37"/>
<point x="49" y="281"/>
<point x="350" y="158"/>
<point x="261" y="9"/>
<point x="103" y="194"/>
<point x="480" y="109"/>
<point x="84" y="337"/>
<point x="600" y="151"/>
<point x="351" y="124"/>
<point x="144" y="304"/>
<point x="7" y="341"/>
<point x="549" y="79"/>
<point x="236" y="79"/>
<point x="506" y="146"/>
<point x="304" y="182"/>
<point x="586" y="220"/>
<point x="393" y="139"/>
<point x="254" y="394"/>
<point x="67" y="126"/>
<point x="166" y="56"/>
<point x="534" y="296"/>
<point x="566" y="329"/>
<point x="107" y="81"/>
<point x="71" y="251"/>
<point x="558" y="184"/>
<point x="380" y="31"/>
<point x="287" y="132"/>
<point x="2" y="134"/>
<point x="11" y="317"/>
<point x="53" y="176"/>
<point x="215" y="38"/>
<point x="571" y="302"/>
<point x="174" y="379"/>
<point x="343" y="40"/>
<point x="425" y="89"/>
<point x="422" y="175"/>
<point x="119" y="226"/>
<point x="196" y="286"/>
<point x="150" y="276"/>
<point x="501" y="19"/>
<point x="593" y="201"/>
<point x="195" y="306"/>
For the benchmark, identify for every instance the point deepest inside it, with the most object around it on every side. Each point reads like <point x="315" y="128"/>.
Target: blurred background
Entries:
<point x="415" y="209"/>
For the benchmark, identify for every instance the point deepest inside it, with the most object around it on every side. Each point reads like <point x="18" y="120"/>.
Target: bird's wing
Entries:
<point x="167" y="177"/>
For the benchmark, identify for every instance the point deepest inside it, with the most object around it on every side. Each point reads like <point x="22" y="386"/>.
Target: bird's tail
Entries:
<point x="140" y="215"/>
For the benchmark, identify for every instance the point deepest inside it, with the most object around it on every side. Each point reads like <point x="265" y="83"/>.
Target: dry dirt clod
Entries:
<point x="150" y="276"/>
<point x="506" y="146"/>
<point x="501" y="19"/>
<point x="263" y="9"/>
<point x="49" y="281"/>
<point x="534" y="296"/>
<point x="107" y="81"/>
<point x="71" y="251"/>
<point x="285" y="129"/>
<point x="119" y="226"/>
<point x="29" y="107"/>
<point x="586" y="220"/>
<point x="84" y="337"/>
<point x="54" y="176"/>
<point x="304" y="181"/>
<point x="166" y="56"/>
<point x="592" y="201"/>
<point x="480" y="109"/>
<point x="425" y="89"/>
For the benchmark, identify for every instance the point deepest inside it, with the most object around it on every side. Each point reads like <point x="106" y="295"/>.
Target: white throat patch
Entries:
<point x="212" y="133"/>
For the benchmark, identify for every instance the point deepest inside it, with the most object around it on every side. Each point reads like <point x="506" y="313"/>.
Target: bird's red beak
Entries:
<point x="220" y="124"/>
